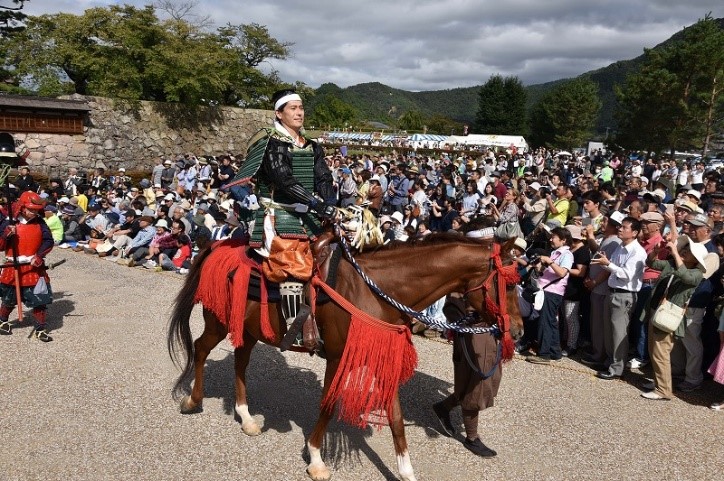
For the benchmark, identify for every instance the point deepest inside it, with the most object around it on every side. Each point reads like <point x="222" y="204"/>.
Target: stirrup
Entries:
<point x="5" y="328"/>
<point x="42" y="335"/>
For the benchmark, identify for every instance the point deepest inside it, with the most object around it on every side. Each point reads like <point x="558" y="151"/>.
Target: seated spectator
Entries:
<point x="139" y="245"/>
<point x="121" y="235"/>
<point x="181" y="258"/>
<point x="163" y="241"/>
<point x="54" y="223"/>
<point x="72" y="232"/>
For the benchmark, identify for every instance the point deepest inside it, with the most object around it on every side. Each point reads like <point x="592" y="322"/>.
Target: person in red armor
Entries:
<point x="27" y="241"/>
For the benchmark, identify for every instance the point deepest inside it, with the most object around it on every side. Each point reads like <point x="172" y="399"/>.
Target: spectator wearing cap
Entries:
<point x="399" y="188"/>
<point x="202" y="212"/>
<point x="221" y="229"/>
<point x="122" y="235"/>
<point x="698" y="228"/>
<point x="575" y="289"/>
<point x="54" y="223"/>
<point x="694" y="196"/>
<point x="94" y="222"/>
<point x="72" y="231"/>
<point x="499" y="188"/>
<point x="553" y="283"/>
<point x="375" y="195"/>
<point x="168" y="175"/>
<point x="139" y="244"/>
<point x="650" y="239"/>
<point x="534" y="207"/>
<point x="626" y="266"/>
<point x="347" y="188"/>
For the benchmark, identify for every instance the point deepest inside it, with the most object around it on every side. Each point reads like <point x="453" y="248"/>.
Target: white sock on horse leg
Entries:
<point x="246" y="420"/>
<point x="404" y="467"/>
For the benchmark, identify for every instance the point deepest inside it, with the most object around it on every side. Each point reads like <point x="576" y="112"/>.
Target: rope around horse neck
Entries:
<point x="425" y="319"/>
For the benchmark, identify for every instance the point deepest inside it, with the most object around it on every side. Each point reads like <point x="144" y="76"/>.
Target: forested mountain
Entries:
<point x="378" y="102"/>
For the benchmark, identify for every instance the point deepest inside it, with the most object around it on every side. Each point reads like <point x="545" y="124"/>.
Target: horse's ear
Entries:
<point x="506" y="247"/>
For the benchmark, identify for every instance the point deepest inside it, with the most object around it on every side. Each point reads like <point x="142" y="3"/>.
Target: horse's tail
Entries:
<point x="179" y="330"/>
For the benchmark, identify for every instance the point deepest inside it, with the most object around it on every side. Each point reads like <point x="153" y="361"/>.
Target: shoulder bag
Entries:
<point x="668" y="315"/>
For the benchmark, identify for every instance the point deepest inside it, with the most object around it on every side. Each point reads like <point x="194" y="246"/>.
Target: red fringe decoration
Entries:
<point x="226" y="298"/>
<point x="506" y="275"/>
<point x="377" y="358"/>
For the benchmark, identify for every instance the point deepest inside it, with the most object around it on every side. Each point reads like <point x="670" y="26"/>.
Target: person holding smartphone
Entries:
<point x="626" y="267"/>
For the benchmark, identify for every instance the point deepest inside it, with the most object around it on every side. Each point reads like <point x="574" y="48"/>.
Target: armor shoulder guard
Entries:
<point x="254" y="156"/>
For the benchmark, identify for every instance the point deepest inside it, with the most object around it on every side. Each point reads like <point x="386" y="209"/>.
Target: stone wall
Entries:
<point x="133" y="136"/>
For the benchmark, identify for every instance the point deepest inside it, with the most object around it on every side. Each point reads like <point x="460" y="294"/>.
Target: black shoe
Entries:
<point x="443" y="415"/>
<point x="5" y="328"/>
<point x="42" y="335"/>
<point x="607" y="375"/>
<point x="477" y="447"/>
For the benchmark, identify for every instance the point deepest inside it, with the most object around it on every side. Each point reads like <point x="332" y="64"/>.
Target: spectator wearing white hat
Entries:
<point x="681" y="273"/>
<point x="534" y="208"/>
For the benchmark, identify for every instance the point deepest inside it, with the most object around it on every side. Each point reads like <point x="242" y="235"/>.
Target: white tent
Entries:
<point x="489" y="140"/>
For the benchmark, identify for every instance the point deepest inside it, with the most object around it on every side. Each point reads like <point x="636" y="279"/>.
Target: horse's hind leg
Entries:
<point x="213" y="334"/>
<point x="241" y="361"/>
<point x="316" y="469"/>
<point x="397" y="425"/>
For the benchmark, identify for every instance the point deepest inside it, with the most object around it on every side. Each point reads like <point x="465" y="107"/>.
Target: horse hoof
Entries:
<point x="251" y="429"/>
<point x="190" y="407"/>
<point x="319" y="472"/>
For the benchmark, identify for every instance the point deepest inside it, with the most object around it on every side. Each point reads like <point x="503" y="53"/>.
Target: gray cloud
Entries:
<point x="439" y="44"/>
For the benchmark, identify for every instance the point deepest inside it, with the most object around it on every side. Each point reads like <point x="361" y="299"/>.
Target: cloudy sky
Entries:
<point x="440" y="44"/>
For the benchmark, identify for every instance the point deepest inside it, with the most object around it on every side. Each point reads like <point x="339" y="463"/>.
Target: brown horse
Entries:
<point x="415" y="274"/>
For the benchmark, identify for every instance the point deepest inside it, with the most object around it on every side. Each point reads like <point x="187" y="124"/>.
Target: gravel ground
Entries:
<point x="95" y="404"/>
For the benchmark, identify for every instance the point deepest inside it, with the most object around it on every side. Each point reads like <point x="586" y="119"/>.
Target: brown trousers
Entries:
<point x="660" y="346"/>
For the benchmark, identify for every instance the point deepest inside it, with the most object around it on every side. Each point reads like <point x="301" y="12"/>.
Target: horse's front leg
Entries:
<point x="397" y="425"/>
<point x="316" y="469"/>
<point x="214" y="333"/>
<point x="241" y="361"/>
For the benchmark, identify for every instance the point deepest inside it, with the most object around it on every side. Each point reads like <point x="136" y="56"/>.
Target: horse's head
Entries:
<point x="484" y="295"/>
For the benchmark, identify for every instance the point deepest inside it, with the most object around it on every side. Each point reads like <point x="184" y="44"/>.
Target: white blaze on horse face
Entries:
<point x="404" y="467"/>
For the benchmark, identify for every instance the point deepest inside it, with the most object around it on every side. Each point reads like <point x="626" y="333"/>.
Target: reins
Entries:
<point x="429" y="321"/>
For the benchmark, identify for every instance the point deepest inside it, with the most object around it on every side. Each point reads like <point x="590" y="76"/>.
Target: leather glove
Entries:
<point x="327" y="211"/>
<point x="37" y="261"/>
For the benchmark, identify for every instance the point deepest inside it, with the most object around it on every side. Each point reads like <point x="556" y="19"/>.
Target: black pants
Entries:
<point x="549" y="338"/>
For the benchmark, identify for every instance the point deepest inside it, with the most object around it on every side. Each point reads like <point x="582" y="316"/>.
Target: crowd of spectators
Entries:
<point x="596" y="233"/>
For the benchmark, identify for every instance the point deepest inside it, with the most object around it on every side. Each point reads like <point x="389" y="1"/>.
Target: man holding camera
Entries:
<point x="626" y="268"/>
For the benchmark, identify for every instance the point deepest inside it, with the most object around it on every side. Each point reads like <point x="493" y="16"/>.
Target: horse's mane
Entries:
<point x="435" y="239"/>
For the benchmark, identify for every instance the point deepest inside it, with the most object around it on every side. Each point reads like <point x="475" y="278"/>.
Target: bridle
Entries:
<point x="499" y="276"/>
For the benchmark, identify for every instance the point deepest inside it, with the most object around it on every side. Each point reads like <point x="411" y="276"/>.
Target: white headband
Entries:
<point x="485" y="233"/>
<point x="285" y="99"/>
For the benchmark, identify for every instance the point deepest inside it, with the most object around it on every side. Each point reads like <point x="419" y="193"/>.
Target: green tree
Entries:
<point x="565" y="117"/>
<point x="501" y="107"/>
<point x="439" y="124"/>
<point x="411" y="120"/>
<point x="12" y="21"/>
<point x="674" y="102"/>
<point x="332" y="113"/>
<point x="128" y="53"/>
